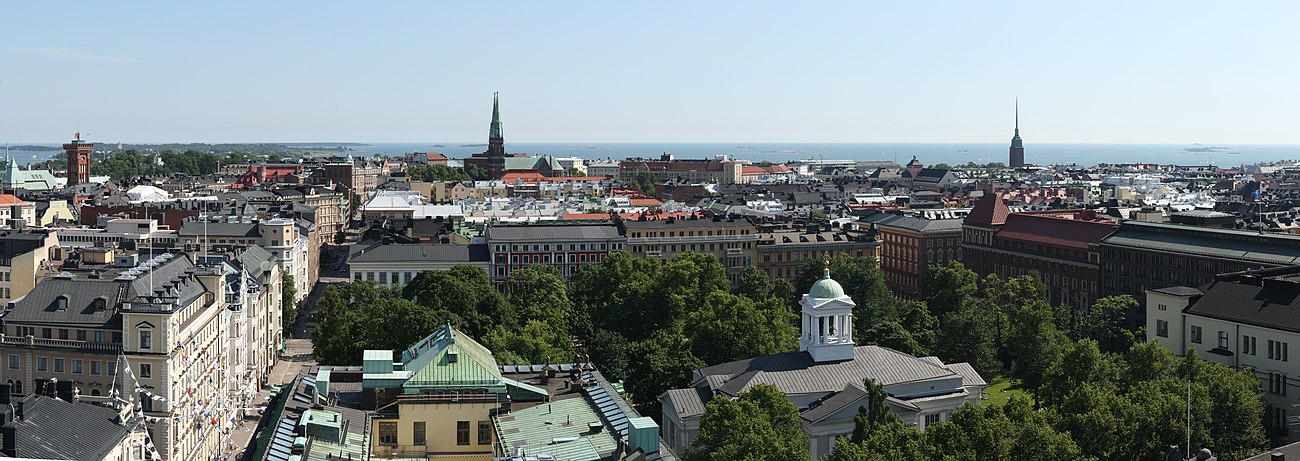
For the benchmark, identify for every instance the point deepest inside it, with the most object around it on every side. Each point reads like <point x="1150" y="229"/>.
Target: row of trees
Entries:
<point x="446" y="173"/>
<point x="126" y="165"/>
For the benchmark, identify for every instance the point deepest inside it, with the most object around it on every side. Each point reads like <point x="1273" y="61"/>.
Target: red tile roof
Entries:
<point x="1053" y="229"/>
<point x="9" y="199"/>
<point x="991" y="210"/>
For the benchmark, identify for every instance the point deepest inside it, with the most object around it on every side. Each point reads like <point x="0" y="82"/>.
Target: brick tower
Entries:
<point x="78" y="160"/>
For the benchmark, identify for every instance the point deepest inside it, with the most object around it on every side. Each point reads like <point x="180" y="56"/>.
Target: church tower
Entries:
<point x="827" y="333"/>
<point x="1017" y="149"/>
<point x="496" y="151"/>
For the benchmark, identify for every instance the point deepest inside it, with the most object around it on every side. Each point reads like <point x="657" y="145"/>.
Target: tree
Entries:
<point x="1036" y="343"/>
<point x="658" y="363"/>
<point x="645" y="182"/>
<point x="610" y="350"/>
<point x="1105" y="322"/>
<point x="760" y="424"/>
<point x="437" y="173"/>
<point x="968" y="338"/>
<point x="535" y="342"/>
<point x="337" y="338"/>
<point x="539" y="292"/>
<point x="466" y="292"/>
<point x="949" y="287"/>
<point x="476" y="172"/>
<point x="288" y="301"/>
<point x="875" y="414"/>
<point x="727" y="327"/>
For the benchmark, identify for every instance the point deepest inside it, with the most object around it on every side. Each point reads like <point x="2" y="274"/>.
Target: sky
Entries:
<point x="1180" y="72"/>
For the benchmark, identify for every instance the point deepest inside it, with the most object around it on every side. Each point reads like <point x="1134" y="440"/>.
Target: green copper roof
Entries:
<point x="495" y="131"/>
<point x="435" y="367"/>
<point x="826" y="288"/>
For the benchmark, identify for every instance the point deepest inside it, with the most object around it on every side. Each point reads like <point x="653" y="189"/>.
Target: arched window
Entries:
<point x="18" y="387"/>
<point x="94" y="392"/>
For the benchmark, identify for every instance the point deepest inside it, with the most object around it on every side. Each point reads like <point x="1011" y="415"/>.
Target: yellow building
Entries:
<point x="436" y="401"/>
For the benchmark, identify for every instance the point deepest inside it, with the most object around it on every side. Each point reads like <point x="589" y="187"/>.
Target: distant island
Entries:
<point x="263" y="149"/>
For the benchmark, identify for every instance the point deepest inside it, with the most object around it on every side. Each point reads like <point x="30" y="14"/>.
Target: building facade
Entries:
<point x="78" y="153"/>
<point x="1062" y="246"/>
<point x="567" y="247"/>
<point x="910" y="245"/>
<point x="733" y="241"/>
<point x="782" y="252"/>
<point x="1142" y="256"/>
<point x="1216" y="323"/>
<point x="393" y="265"/>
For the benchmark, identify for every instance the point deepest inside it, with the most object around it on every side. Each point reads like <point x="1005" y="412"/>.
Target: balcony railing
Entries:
<point x="32" y="341"/>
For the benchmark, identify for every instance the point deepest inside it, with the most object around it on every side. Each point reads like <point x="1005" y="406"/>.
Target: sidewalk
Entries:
<point x="296" y="357"/>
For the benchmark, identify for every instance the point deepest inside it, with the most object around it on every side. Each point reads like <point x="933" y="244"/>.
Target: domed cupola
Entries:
<point x="827" y="321"/>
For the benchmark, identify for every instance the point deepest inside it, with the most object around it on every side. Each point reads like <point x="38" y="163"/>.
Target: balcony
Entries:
<point x="31" y="341"/>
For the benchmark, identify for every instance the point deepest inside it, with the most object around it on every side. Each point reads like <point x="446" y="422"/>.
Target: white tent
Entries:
<point x="147" y="194"/>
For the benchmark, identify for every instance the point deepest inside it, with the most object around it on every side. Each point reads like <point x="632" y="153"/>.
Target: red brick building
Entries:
<point x="78" y="153"/>
<point x="1063" y="246"/>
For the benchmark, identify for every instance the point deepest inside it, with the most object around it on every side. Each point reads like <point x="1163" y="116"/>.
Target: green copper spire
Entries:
<point x="495" y="131"/>
<point x="1015" y="141"/>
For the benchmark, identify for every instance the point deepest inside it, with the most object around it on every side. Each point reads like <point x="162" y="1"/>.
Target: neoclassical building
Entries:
<point x="824" y="379"/>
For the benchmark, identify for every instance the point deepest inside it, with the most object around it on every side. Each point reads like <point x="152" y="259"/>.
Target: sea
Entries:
<point x="1081" y="154"/>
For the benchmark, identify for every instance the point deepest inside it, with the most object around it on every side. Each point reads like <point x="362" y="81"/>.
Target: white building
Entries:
<point x="394" y="265"/>
<point x="824" y="379"/>
<point x="1241" y="320"/>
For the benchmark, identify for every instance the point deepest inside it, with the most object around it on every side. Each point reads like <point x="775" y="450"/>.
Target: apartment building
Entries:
<point x="25" y="259"/>
<point x="783" y="251"/>
<point x="1062" y="246"/>
<point x="154" y="328"/>
<point x="733" y="241"/>
<point x="910" y="245"/>
<point x="567" y="247"/>
<point x="1243" y="320"/>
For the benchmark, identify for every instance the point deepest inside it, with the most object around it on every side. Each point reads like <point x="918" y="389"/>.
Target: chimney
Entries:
<point x="63" y="390"/>
<point x="1276" y="456"/>
<point x="8" y="444"/>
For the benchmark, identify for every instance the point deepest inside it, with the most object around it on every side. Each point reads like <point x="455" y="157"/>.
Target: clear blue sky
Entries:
<point x="748" y="72"/>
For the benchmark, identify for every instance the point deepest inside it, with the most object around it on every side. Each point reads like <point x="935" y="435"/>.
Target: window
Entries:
<point x="112" y="368"/>
<point x="417" y="433"/>
<point x="47" y="333"/>
<point x="76" y="366"/>
<point x="1248" y="345"/>
<point x="388" y="433"/>
<point x="13" y="362"/>
<point x="94" y="367"/>
<point x="58" y="365"/>
<point x="1196" y="334"/>
<point x="81" y="335"/>
<point x="99" y="336"/>
<point x="462" y="432"/>
<point x="931" y="420"/>
<point x="1277" y="350"/>
<point x="146" y="339"/>
<point x="1162" y="328"/>
<point x="484" y="433"/>
<point x="1276" y="383"/>
<point x="1223" y="339"/>
<point x="146" y="370"/>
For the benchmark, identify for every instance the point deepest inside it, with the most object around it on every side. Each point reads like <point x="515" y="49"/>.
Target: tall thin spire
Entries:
<point x="1017" y="117"/>
<point x="495" y="131"/>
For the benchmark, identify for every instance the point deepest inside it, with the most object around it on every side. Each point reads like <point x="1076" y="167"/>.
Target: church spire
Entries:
<point x="1015" y="140"/>
<point x="495" y="132"/>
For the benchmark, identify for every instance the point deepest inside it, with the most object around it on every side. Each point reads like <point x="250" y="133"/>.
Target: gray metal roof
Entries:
<point x="797" y="373"/>
<point x="554" y="232"/>
<point x="1276" y="306"/>
<point x="55" y="429"/>
<point x="688" y="402"/>
<point x="1271" y="249"/>
<point x="416" y="252"/>
<point x="218" y="229"/>
<point x="888" y="220"/>
<point x="852" y="392"/>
